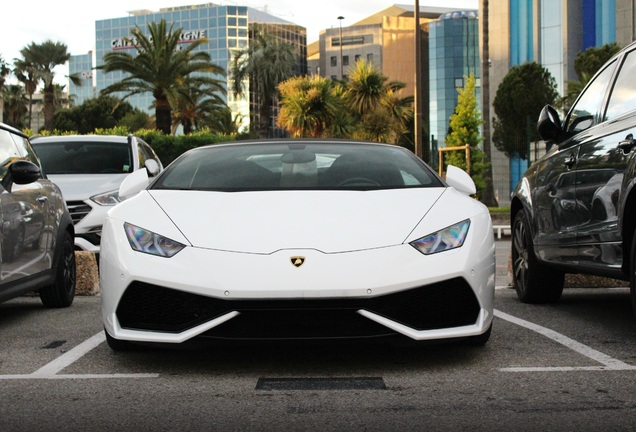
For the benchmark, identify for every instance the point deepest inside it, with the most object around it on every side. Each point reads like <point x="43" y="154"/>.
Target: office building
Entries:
<point x="453" y="56"/>
<point x="551" y="33"/>
<point x="226" y="28"/>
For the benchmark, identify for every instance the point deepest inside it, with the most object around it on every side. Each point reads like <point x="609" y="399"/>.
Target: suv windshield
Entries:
<point x="84" y="157"/>
<point x="300" y="165"/>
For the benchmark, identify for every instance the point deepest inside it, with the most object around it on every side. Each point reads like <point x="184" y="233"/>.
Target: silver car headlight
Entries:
<point x="107" y="199"/>
<point x="148" y="242"/>
<point x="449" y="238"/>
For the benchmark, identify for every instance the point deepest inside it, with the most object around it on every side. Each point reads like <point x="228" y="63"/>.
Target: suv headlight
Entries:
<point x="107" y="199"/>
<point x="449" y="238"/>
<point x="148" y="242"/>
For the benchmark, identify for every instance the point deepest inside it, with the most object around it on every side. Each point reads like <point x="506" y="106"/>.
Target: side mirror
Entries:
<point x="549" y="124"/>
<point x="20" y="172"/>
<point x="152" y="166"/>
<point x="460" y="180"/>
<point x="134" y="183"/>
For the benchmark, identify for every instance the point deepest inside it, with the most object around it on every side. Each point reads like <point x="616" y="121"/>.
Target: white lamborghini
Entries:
<point x="297" y="240"/>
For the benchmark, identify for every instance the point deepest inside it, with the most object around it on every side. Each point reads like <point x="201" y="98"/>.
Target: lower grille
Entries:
<point x="78" y="210"/>
<point x="446" y="304"/>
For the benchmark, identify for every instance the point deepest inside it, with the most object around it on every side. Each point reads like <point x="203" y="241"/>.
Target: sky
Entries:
<point x="73" y="22"/>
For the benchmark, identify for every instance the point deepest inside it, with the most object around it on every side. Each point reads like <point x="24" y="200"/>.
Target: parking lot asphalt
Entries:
<point x="502" y="258"/>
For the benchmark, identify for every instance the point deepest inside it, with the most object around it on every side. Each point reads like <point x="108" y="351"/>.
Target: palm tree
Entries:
<point x="192" y="104"/>
<point x="381" y="113"/>
<point x="366" y="88"/>
<point x="224" y="121"/>
<point x="43" y="58"/>
<point x="15" y="105"/>
<point x="308" y="106"/>
<point x="4" y="72"/>
<point x="159" y="67"/>
<point x="574" y="88"/>
<point x="27" y="74"/>
<point x="266" y="63"/>
<point x="401" y="113"/>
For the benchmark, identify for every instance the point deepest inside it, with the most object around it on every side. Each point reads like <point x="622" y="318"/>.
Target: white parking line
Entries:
<point x="52" y="369"/>
<point x="607" y="362"/>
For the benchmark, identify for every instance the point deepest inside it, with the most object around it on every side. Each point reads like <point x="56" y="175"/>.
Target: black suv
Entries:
<point x="574" y="210"/>
<point x="36" y="231"/>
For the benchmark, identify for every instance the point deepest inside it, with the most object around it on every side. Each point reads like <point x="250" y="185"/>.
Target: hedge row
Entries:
<point x="167" y="147"/>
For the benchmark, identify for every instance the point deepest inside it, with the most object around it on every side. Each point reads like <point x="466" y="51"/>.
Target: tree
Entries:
<point x="39" y="61"/>
<point x="103" y="112"/>
<point x="591" y="60"/>
<point x="160" y="66"/>
<point x="524" y="91"/>
<point x="266" y="63"/>
<point x="401" y="114"/>
<point x="223" y="121"/>
<point x="365" y="88"/>
<point x="15" y="105"/>
<point x="192" y="104"/>
<point x="309" y="105"/>
<point x="4" y="72"/>
<point x="27" y="74"/>
<point x="380" y="112"/>
<point x="464" y="126"/>
<point x="586" y="64"/>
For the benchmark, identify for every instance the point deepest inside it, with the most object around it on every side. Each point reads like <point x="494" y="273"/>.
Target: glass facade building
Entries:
<point x="82" y="66"/>
<point x="226" y="28"/>
<point x="453" y="55"/>
<point x="552" y="32"/>
<point x="599" y="22"/>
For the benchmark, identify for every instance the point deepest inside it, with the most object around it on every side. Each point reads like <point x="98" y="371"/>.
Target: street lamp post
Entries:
<point x="340" y="18"/>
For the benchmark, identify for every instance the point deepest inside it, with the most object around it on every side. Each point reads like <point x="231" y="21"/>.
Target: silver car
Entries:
<point x="36" y="232"/>
<point x="89" y="169"/>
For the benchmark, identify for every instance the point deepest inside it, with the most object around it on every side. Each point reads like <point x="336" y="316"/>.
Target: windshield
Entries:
<point x="297" y="165"/>
<point x="84" y="157"/>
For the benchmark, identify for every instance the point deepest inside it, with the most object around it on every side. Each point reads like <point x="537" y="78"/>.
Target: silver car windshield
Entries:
<point x="284" y="166"/>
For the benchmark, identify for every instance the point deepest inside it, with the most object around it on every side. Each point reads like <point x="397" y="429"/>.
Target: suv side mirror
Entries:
<point x="20" y="172"/>
<point x="549" y="124"/>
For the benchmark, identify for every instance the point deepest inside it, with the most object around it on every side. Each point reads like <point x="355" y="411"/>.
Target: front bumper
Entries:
<point x="88" y="218"/>
<point x="361" y="294"/>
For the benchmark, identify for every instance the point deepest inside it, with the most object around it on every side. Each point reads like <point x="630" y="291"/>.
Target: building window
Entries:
<point x="356" y="58"/>
<point x="334" y="77"/>
<point x="345" y="60"/>
<point x="370" y="58"/>
<point x="459" y="82"/>
<point x="334" y="61"/>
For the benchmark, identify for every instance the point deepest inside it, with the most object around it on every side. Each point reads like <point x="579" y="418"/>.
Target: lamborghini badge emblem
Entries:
<point x="297" y="261"/>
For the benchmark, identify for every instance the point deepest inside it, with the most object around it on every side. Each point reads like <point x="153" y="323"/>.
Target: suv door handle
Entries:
<point x="627" y="144"/>
<point x="42" y="199"/>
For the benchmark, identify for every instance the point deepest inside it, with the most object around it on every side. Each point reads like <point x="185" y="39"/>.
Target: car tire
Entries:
<point x="117" y="344"/>
<point x="533" y="281"/>
<point x="62" y="291"/>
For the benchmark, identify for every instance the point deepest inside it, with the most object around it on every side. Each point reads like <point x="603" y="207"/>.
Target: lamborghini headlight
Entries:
<point x="449" y="238"/>
<point x="148" y="242"/>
